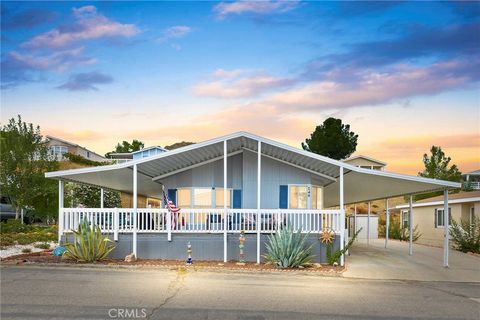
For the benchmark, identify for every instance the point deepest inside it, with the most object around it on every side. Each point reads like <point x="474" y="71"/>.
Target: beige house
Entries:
<point x="366" y="162"/>
<point x="428" y="214"/>
<point x="58" y="147"/>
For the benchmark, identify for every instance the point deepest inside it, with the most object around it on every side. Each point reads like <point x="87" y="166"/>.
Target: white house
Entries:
<point x="236" y="182"/>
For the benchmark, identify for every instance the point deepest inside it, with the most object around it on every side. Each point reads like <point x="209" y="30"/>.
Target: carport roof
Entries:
<point x="360" y="184"/>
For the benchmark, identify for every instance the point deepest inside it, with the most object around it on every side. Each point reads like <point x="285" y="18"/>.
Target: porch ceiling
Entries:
<point x="360" y="184"/>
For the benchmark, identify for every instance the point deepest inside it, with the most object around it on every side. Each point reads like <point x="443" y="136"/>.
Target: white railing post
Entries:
<point x="116" y="224"/>
<point x="135" y="204"/>
<point x="61" y="187"/>
<point x="259" y="177"/>
<point x="168" y="215"/>
<point x="342" y="218"/>
<point x="446" y="235"/>
<point x="101" y="197"/>
<point x="225" y="214"/>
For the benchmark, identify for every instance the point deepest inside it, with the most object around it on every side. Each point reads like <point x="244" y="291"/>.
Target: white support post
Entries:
<point x="116" y="225"/>
<point x="21" y="215"/>
<point x="101" y="198"/>
<point x="259" y="178"/>
<point x="368" y="221"/>
<point x="355" y="217"/>
<point x="446" y="229"/>
<point x="225" y="214"/>
<point x="387" y="222"/>
<point x="342" y="218"/>
<point x="410" y="226"/>
<point x="61" y="189"/>
<point x="135" y="204"/>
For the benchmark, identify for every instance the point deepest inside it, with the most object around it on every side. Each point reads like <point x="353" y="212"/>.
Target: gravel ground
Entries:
<point x="17" y="249"/>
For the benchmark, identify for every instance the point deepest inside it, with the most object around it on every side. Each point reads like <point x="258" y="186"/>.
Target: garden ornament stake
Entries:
<point x="241" y="245"/>
<point x="189" y="252"/>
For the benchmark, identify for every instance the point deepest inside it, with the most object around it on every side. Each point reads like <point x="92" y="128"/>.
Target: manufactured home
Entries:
<point x="225" y="185"/>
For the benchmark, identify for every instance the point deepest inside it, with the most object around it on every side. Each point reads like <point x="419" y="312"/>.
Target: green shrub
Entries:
<point x="6" y="240"/>
<point x="335" y="256"/>
<point x="287" y="249"/>
<point x="42" y="245"/>
<point x="12" y="226"/>
<point x="466" y="236"/>
<point x="395" y="231"/>
<point x="89" y="244"/>
<point x="26" y="250"/>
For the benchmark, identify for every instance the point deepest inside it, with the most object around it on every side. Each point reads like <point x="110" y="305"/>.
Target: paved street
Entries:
<point x="73" y="293"/>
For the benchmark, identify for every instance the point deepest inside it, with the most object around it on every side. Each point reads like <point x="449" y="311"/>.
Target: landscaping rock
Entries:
<point x="130" y="258"/>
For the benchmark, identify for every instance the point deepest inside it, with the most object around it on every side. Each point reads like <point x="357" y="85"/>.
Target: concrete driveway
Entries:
<point x="376" y="262"/>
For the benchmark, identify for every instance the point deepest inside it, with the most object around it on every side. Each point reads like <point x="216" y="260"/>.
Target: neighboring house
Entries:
<point x="366" y="162"/>
<point x="471" y="180"/>
<point x="222" y="186"/>
<point x="58" y="147"/>
<point x="143" y="153"/>
<point x="428" y="214"/>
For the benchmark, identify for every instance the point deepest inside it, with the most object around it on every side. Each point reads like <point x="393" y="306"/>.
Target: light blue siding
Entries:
<point x="242" y="175"/>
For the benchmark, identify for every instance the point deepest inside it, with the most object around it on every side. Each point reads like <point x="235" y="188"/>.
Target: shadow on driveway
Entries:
<point x="375" y="262"/>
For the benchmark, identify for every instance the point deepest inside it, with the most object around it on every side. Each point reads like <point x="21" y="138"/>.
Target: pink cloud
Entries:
<point x="233" y="85"/>
<point x="371" y="88"/>
<point x="89" y="25"/>
<point x="174" y="32"/>
<point x="223" y="9"/>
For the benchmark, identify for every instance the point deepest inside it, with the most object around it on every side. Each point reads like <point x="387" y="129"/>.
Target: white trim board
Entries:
<point x="436" y="203"/>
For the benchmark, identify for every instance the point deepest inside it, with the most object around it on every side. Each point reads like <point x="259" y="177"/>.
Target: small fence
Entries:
<point x="122" y="220"/>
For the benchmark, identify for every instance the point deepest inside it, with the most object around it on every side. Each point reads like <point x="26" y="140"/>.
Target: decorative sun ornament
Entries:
<point x="326" y="236"/>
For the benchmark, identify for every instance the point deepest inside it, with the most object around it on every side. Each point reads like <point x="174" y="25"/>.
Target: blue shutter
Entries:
<point x="283" y="198"/>
<point x="237" y="199"/>
<point x="172" y="195"/>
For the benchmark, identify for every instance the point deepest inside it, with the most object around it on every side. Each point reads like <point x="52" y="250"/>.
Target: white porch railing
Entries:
<point x="201" y="220"/>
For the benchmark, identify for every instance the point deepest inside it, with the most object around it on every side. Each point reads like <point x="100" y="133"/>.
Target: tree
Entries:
<point x="177" y="145"/>
<point x="437" y="166"/>
<point x="24" y="159"/>
<point x="89" y="197"/>
<point x="332" y="139"/>
<point x="126" y="147"/>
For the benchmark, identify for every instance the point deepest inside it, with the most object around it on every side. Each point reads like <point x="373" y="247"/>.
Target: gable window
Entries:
<point x="440" y="218"/>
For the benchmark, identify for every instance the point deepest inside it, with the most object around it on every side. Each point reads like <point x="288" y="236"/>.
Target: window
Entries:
<point x="219" y="197"/>
<point x="202" y="198"/>
<point x="184" y="198"/>
<point x="88" y="154"/>
<point x="154" y="203"/>
<point x="405" y="219"/>
<point x="58" y="151"/>
<point x="439" y="217"/>
<point x="317" y="197"/>
<point x="298" y="197"/>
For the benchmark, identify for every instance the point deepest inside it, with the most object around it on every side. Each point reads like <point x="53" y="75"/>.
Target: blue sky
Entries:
<point x="404" y="75"/>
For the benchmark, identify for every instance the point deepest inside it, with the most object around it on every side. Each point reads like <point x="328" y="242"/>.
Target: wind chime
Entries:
<point x="189" y="252"/>
<point x="241" y="245"/>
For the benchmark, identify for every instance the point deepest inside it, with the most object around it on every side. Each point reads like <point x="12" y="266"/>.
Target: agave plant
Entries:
<point x="88" y="244"/>
<point x="287" y="249"/>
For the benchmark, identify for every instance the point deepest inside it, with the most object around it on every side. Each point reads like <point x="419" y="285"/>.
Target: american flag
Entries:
<point x="172" y="208"/>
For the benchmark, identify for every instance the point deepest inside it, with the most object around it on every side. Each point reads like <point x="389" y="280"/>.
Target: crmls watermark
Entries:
<point x="127" y="313"/>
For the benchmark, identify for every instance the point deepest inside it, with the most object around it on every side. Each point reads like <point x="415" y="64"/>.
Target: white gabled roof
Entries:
<point x="366" y="158"/>
<point x="360" y="184"/>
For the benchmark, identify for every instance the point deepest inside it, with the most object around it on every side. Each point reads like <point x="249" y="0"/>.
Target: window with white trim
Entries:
<point x="298" y="197"/>
<point x="58" y="151"/>
<point x="219" y="197"/>
<point x="405" y="219"/>
<point x="440" y="217"/>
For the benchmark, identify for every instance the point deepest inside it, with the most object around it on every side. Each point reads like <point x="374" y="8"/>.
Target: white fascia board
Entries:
<point x="439" y="202"/>
<point x="440" y="183"/>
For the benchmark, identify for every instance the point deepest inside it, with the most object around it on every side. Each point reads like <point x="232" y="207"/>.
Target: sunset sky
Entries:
<point x="403" y="75"/>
